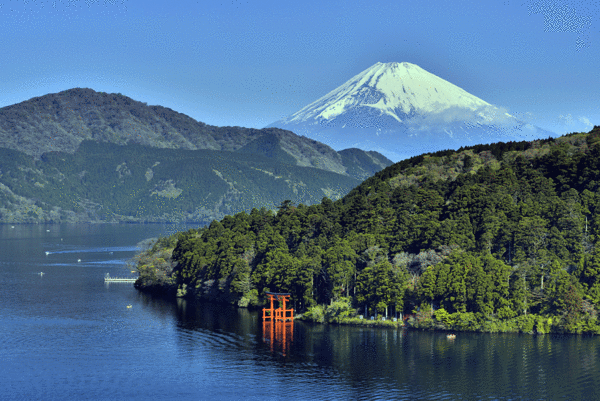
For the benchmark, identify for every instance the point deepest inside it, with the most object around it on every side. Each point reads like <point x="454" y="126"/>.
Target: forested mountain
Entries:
<point x="61" y="121"/>
<point x="81" y="155"/>
<point x="493" y="237"/>
<point x="104" y="182"/>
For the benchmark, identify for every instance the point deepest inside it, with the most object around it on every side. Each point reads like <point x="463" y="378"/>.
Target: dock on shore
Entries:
<point x="109" y="279"/>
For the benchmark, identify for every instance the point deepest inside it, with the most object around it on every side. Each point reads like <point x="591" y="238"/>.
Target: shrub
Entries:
<point x="442" y="315"/>
<point x="465" y="321"/>
<point x="591" y="326"/>
<point x="243" y="302"/>
<point x="249" y="299"/>
<point x="543" y="324"/>
<point x="525" y="323"/>
<point x="315" y="313"/>
<point x="182" y="291"/>
<point x="338" y="310"/>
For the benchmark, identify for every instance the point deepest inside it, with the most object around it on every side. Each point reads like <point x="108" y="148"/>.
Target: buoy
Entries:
<point x="41" y="273"/>
<point x="79" y="260"/>
<point x="47" y="231"/>
<point x="128" y="306"/>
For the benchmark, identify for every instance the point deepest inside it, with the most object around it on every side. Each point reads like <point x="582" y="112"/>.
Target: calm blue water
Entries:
<point x="68" y="335"/>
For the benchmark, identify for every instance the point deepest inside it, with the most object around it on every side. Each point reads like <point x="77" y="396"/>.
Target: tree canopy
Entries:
<point x="490" y="232"/>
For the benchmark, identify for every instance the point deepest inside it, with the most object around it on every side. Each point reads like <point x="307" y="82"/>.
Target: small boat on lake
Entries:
<point x="451" y="336"/>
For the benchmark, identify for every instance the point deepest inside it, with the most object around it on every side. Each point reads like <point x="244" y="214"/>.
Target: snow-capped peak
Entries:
<point x="401" y="110"/>
<point x="396" y="90"/>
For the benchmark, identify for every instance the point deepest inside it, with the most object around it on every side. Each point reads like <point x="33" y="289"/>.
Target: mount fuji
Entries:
<point x="401" y="110"/>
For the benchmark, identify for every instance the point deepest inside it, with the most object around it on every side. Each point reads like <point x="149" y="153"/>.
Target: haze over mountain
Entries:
<point x="401" y="110"/>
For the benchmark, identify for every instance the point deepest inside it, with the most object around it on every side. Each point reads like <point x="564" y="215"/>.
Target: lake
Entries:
<point x="68" y="335"/>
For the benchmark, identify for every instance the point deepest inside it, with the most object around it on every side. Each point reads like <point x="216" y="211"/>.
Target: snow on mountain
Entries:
<point x="401" y="110"/>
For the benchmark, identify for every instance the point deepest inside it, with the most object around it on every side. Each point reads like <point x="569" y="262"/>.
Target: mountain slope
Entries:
<point x="401" y="110"/>
<point x="104" y="182"/>
<point x="61" y="121"/>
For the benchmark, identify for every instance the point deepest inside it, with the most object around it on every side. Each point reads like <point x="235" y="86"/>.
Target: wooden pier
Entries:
<point x="109" y="279"/>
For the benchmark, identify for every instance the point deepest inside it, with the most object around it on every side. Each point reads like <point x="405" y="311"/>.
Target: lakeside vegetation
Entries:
<point x="495" y="238"/>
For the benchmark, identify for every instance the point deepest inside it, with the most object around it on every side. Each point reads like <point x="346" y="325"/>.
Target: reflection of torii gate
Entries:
<point x="280" y="314"/>
<point x="278" y="324"/>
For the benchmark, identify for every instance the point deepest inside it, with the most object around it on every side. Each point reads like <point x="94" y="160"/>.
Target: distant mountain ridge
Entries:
<point x="401" y="110"/>
<point x="61" y="121"/>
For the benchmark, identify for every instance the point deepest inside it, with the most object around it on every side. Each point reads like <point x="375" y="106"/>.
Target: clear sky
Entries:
<point x="250" y="63"/>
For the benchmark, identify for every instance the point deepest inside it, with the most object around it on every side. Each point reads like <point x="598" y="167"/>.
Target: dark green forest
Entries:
<point x="500" y="237"/>
<point x="135" y="183"/>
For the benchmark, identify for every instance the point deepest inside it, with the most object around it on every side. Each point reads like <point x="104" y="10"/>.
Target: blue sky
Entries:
<point x="250" y="63"/>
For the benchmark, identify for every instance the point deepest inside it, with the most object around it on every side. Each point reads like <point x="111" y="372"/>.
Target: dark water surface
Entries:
<point x="68" y="335"/>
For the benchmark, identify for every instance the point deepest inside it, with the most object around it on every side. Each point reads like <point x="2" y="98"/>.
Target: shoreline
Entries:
<point x="399" y="324"/>
<point x="156" y="265"/>
<point x="527" y="324"/>
<point x="345" y="315"/>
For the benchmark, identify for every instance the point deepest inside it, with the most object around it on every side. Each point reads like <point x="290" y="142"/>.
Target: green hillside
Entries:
<point x="59" y="122"/>
<point x="500" y="237"/>
<point x="110" y="182"/>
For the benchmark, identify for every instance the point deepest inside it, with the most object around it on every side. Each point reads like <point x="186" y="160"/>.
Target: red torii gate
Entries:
<point x="278" y="324"/>
<point x="280" y="314"/>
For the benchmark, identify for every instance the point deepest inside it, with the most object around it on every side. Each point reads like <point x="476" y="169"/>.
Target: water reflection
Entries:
<point x="278" y="323"/>
<point x="279" y="335"/>
<point x="378" y="363"/>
